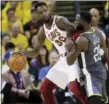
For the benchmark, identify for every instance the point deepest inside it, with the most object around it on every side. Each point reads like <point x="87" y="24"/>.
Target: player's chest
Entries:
<point x="57" y="36"/>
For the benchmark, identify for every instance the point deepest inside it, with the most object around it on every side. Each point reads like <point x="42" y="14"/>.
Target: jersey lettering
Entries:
<point x="56" y="36"/>
<point x="97" y="56"/>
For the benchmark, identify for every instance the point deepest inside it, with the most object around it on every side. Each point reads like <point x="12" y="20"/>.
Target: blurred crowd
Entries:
<point x="19" y="24"/>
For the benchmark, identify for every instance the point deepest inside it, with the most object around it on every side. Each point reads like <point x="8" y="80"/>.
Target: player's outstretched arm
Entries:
<point x="37" y="42"/>
<point x="64" y="24"/>
<point x="81" y="45"/>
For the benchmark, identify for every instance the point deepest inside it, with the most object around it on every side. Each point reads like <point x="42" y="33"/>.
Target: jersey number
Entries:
<point x="61" y="40"/>
<point x="97" y="56"/>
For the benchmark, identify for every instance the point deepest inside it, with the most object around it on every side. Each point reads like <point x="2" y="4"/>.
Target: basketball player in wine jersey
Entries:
<point x="56" y="29"/>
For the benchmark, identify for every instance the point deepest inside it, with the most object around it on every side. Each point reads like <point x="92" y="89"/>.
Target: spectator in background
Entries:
<point x="17" y="6"/>
<point x="13" y="19"/>
<point x="5" y="39"/>
<point x="7" y="21"/>
<point x="18" y="87"/>
<point x="17" y="38"/>
<point x="26" y="6"/>
<point x="22" y="10"/>
<point x="9" y="4"/>
<point x="10" y="48"/>
<point x="38" y="63"/>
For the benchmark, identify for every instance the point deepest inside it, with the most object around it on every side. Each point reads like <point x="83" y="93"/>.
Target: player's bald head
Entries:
<point x="94" y="10"/>
<point x="95" y="16"/>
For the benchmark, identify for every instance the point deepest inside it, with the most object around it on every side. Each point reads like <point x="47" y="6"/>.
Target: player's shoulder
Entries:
<point x="101" y="32"/>
<point x="82" y="43"/>
<point x="97" y="29"/>
<point x="59" y="18"/>
<point x="81" y="39"/>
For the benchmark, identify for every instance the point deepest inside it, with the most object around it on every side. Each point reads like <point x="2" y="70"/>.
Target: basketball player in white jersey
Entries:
<point x="56" y="29"/>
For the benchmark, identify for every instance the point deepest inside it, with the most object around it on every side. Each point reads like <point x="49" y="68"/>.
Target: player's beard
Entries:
<point x="48" y="19"/>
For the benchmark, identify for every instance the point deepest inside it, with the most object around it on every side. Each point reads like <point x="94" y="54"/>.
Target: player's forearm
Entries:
<point x="71" y="57"/>
<point x="31" y="53"/>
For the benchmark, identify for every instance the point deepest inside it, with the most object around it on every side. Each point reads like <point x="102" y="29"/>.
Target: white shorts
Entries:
<point x="61" y="73"/>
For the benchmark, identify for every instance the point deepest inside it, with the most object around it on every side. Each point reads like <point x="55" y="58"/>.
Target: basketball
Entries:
<point x="17" y="61"/>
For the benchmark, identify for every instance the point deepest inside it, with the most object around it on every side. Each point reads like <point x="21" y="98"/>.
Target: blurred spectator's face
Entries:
<point x="95" y="17"/>
<point x="6" y="39"/>
<point x="53" y="58"/>
<point x="43" y="13"/>
<point x="15" y="29"/>
<point x="14" y="4"/>
<point x="10" y="14"/>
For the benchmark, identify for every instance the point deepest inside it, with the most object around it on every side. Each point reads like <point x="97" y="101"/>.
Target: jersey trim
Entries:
<point x="89" y="32"/>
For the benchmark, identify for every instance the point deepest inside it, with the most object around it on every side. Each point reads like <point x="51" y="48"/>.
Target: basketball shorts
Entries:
<point x="61" y="73"/>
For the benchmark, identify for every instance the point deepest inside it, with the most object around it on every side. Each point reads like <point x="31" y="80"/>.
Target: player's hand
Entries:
<point x="70" y="46"/>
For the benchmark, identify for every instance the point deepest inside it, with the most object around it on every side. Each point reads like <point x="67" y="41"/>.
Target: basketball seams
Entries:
<point x="21" y="64"/>
<point x="17" y="62"/>
<point x="13" y="62"/>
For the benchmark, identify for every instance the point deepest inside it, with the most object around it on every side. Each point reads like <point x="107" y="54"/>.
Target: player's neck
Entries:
<point x="87" y="28"/>
<point x="48" y="24"/>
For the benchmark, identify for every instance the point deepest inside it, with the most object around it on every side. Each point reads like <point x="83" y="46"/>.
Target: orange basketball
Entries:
<point x="17" y="61"/>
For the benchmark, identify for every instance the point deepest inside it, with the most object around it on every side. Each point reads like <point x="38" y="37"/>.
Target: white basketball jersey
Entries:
<point x="56" y="36"/>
